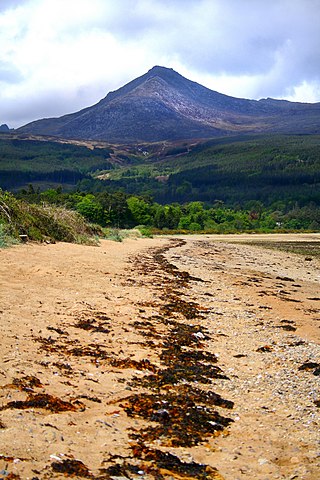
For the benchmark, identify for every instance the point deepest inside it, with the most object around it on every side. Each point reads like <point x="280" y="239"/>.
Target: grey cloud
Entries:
<point x="277" y="40"/>
<point x="274" y="43"/>
<point x="52" y="103"/>
<point x="9" y="4"/>
<point x="246" y="40"/>
<point x="226" y="36"/>
<point x="9" y="73"/>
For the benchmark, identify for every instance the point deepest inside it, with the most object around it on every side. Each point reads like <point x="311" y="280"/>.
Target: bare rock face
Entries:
<point x="4" y="128"/>
<point x="163" y="105"/>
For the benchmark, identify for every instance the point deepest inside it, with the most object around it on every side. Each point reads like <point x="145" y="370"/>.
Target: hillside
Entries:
<point x="234" y="170"/>
<point x="47" y="163"/>
<point x="163" y="105"/>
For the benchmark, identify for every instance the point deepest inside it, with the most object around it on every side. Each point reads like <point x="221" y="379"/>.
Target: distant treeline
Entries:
<point x="31" y="161"/>
<point x="266" y="169"/>
<point x="122" y="210"/>
<point x="248" y="183"/>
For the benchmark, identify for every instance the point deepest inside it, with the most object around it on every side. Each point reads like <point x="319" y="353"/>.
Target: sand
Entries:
<point x="186" y="357"/>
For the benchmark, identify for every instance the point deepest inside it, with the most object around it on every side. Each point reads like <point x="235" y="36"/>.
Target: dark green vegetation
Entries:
<point x="268" y="169"/>
<point x="248" y="183"/>
<point x="47" y="163"/>
<point x="120" y="210"/>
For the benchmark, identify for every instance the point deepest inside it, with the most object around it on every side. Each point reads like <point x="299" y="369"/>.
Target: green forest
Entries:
<point x="268" y="169"/>
<point x="121" y="210"/>
<point x="47" y="162"/>
<point x="261" y="183"/>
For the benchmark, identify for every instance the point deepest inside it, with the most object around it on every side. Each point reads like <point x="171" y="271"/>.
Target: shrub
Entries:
<point x="6" y="240"/>
<point x="113" y="234"/>
<point x="144" y="231"/>
<point x="41" y="222"/>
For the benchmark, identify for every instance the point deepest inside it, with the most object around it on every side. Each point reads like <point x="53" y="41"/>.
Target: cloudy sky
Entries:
<point x="57" y="56"/>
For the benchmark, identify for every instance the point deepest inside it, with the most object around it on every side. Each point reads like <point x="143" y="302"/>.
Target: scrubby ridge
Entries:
<point x="19" y="219"/>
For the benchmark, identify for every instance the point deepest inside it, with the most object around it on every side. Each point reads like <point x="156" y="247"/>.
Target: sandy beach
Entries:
<point x="164" y="358"/>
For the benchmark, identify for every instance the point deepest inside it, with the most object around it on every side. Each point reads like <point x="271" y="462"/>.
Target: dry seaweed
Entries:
<point x="27" y="383"/>
<point x="57" y="330"/>
<point x="156" y="464"/>
<point x="123" y="470"/>
<point x="91" y="350"/>
<point x="183" y="418"/>
<point x="163" y="464"/>
<point x="265" y="348"/>
<point x="176" y="353"/>
<point x="183" y="413"/>
<point x="65" y="367"/>
<point x="204" y="397"/>
<point x="71" y="468"/>
<point x="45" y="401"/>
<point x="200" y="373"/>
<point x="90" y="324"/>
<point x="144" y="364"/>
<point x="7" y="458"/>
<point x="92" y="399"/>
<point x="309" y="366"/>
<point x="190" y="310"/>
<point x="288" y="328"/>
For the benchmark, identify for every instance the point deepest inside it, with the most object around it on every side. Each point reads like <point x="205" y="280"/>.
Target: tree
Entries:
<point x="140" y="211"/>
<point x="160" y="217"/>
<point x="91" y="209"/>
<point x="116" y="210"/>
<point x="172" y="214"/>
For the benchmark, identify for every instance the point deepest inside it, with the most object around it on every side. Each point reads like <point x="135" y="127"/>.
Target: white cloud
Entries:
<point x="305" y="92"/>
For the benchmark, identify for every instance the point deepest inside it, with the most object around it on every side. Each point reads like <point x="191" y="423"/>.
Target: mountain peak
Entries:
<point x="164" y="105"/>
<point x="160" y="69"/>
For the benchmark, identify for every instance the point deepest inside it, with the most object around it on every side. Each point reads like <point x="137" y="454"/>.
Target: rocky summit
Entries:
<point x="163" y="105"/>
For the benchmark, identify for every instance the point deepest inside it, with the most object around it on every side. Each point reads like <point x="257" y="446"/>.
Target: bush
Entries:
<point x="41" y="223"/>
<point x="118" y="234"/>
<point x="113" y="234"/>
<point x="144" y="231"/>
<point x="6" y="240"/>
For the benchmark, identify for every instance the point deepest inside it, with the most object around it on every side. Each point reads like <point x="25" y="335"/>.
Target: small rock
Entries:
<point x="294" y="460"/>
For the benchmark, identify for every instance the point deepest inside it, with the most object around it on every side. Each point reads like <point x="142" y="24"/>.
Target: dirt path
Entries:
<point x="159" y="359"/>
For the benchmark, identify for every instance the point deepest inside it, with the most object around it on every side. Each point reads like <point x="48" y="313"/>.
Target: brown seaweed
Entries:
<point x="70" y="467"/>
<point x="45" y="401"/>
<point x="180" y="420"/>
<point x="90" y="324"/>
<point x="27" y="383"/>
<point x="163" y="464"/>
<point x="144" y="364"/>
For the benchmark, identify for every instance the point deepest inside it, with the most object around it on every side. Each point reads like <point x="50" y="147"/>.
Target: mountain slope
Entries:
<point x="163" y="105"/>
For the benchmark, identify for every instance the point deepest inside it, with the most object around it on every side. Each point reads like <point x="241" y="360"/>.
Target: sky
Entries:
<point x="58" y="56"/>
